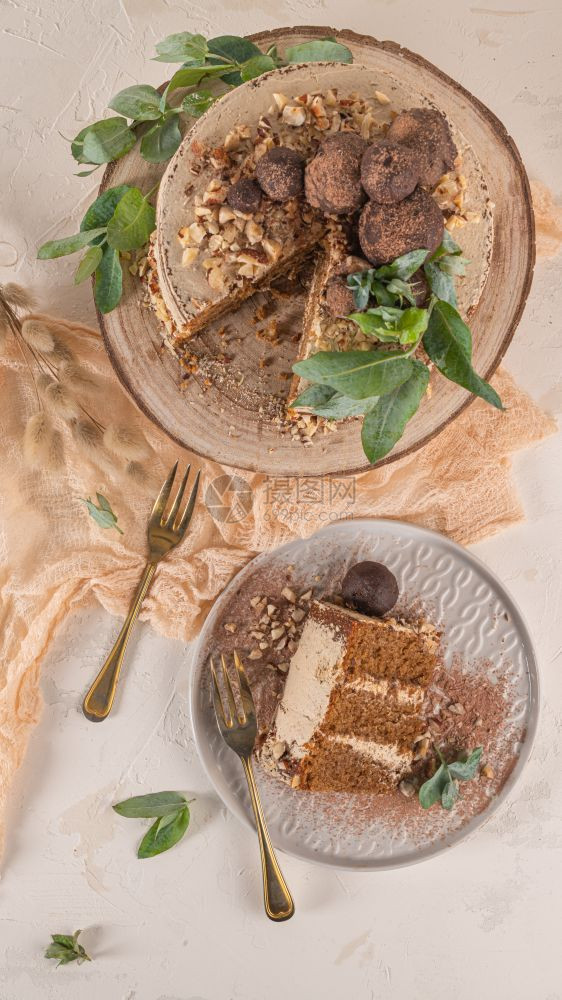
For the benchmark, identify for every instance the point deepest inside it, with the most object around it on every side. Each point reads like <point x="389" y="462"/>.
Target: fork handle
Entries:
<point x="276" y="896"/>
<point x="97" y="703"/>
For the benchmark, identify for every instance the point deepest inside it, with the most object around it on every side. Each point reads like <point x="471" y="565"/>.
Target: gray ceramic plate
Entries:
<point x="480" y="623"/>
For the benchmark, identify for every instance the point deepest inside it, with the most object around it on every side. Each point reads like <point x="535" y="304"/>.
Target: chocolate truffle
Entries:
<point x="388" y="231"/>
<point x="332" y="180"/>
<point x="280" y="173"/>
<point x="427" y="133"/>
<point x="389" y="171"/>
<point x="244" y="196"/>
<point x="370" y="588"/>
<point x="339" y="298"/>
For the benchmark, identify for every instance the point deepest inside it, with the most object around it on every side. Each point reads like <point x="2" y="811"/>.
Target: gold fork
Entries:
<point x="239" y="730"/>
<point x="164" y="533"/>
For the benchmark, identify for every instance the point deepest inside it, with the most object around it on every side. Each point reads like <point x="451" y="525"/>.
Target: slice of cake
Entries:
<point x="352" y="708"/>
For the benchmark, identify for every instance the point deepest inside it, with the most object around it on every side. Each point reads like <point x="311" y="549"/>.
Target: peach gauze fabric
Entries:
<point x="54" y="558"/>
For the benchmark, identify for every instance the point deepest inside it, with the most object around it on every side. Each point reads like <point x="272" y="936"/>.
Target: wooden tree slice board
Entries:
<point x="223" y="417"/>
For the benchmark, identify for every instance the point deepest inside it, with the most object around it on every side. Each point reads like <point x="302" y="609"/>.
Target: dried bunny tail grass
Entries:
<point x="55" y="454"/>
<point x="86" y="434"/>
<point x="18" y="297"/>
<point x="75" y="376"/>
<point x="137" y="473"/>
<point x="127" y="442"/>
<point x="61" y="351"/>
<point x="59" y="398"/>
<point x="37" y="335"/>
<point x="37" y="440"/>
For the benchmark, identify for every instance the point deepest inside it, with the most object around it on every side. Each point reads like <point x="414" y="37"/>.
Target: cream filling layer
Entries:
<point x="387" y="755"/>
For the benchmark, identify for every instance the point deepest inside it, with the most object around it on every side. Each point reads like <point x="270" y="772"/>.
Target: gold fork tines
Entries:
<point x="165" y="531"/>
<point x="237" y="724"/>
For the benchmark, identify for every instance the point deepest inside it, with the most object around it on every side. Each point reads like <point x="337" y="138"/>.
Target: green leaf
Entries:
<point x="360" y="282"/>
<point x="161" y="141"/>
<point x="233" y="49"/>
<point x="109" y="281"/>
<point x="107" y="140"/>
<point x="411" y="324"/>
<point x="465" y="770"/>
<point x="448" y="343"/>
<point x="196" y="103"/>
<point x="103" y="501"/>
<point x="339" y="407"/>
<point x="432" y="789"/>
<point x="86" y="173"/>
<point x="153" y="804"/>
<point x="384" y="424"/>
<point x="132" y="223"/>
<point x="140" y="102"/>
<point x="77" y="149"/>
<point x="65" y="949"/>
<point x="88" y="264"/>
<point x="441" y="284"/>
<point x="314" y="395"/>
<point x="403" y="267"/>
<point x="322" y="50"/>
<point x="70" y="244"/>
<point x="190" y="76"/>
<point x="181" y="47"/>
<point x="453" y="265"/>
<point x="255" y="67"/>
<point x="102" y="515"/>
<point x="449" y="795"/>
<point x="399" y="289"/>
<point x="102" y="209"/>
<point x="164" y="833"/>
<point x="357" y="374"/>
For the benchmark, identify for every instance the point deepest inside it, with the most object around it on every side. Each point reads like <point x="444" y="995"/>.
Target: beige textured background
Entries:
<point x="482" y="921"/>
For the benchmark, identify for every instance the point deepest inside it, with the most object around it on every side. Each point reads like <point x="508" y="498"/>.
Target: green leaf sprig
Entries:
<point x="102" y="514"/>
<point x="443" y="785"/>
<point x="390" y="384"/>
<point x="119" y="220"/>
<point x="65" y="948"/>
<point x="171" y="810"/>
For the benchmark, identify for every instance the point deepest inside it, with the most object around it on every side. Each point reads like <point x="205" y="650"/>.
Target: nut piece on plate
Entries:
<point x="388" y="231"/>
<point x="426" y="131"/>
<point x="389" y="171"/>
<point x="279" y="173"/>
<point x="244" y="196"/>
<point x="332" y="180"/>
<point x="339" y="298"/>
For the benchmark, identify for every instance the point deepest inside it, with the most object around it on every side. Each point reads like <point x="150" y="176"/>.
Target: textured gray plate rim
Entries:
<point x="370" y="528"/>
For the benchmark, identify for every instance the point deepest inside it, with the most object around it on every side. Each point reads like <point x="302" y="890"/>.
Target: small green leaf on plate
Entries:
<point x="450" y="794"/>
<point x="233" y="49"/>
<point x="101" y="210"/>
<point x="164" y="833"/>
<point x="88" y="264"/>
<point x="432" y="789"/>
<point x="153" y="804"/>
<point x="404" y="266"/>
<point x="313" y="395"/>
<point x="465" y="770"/>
